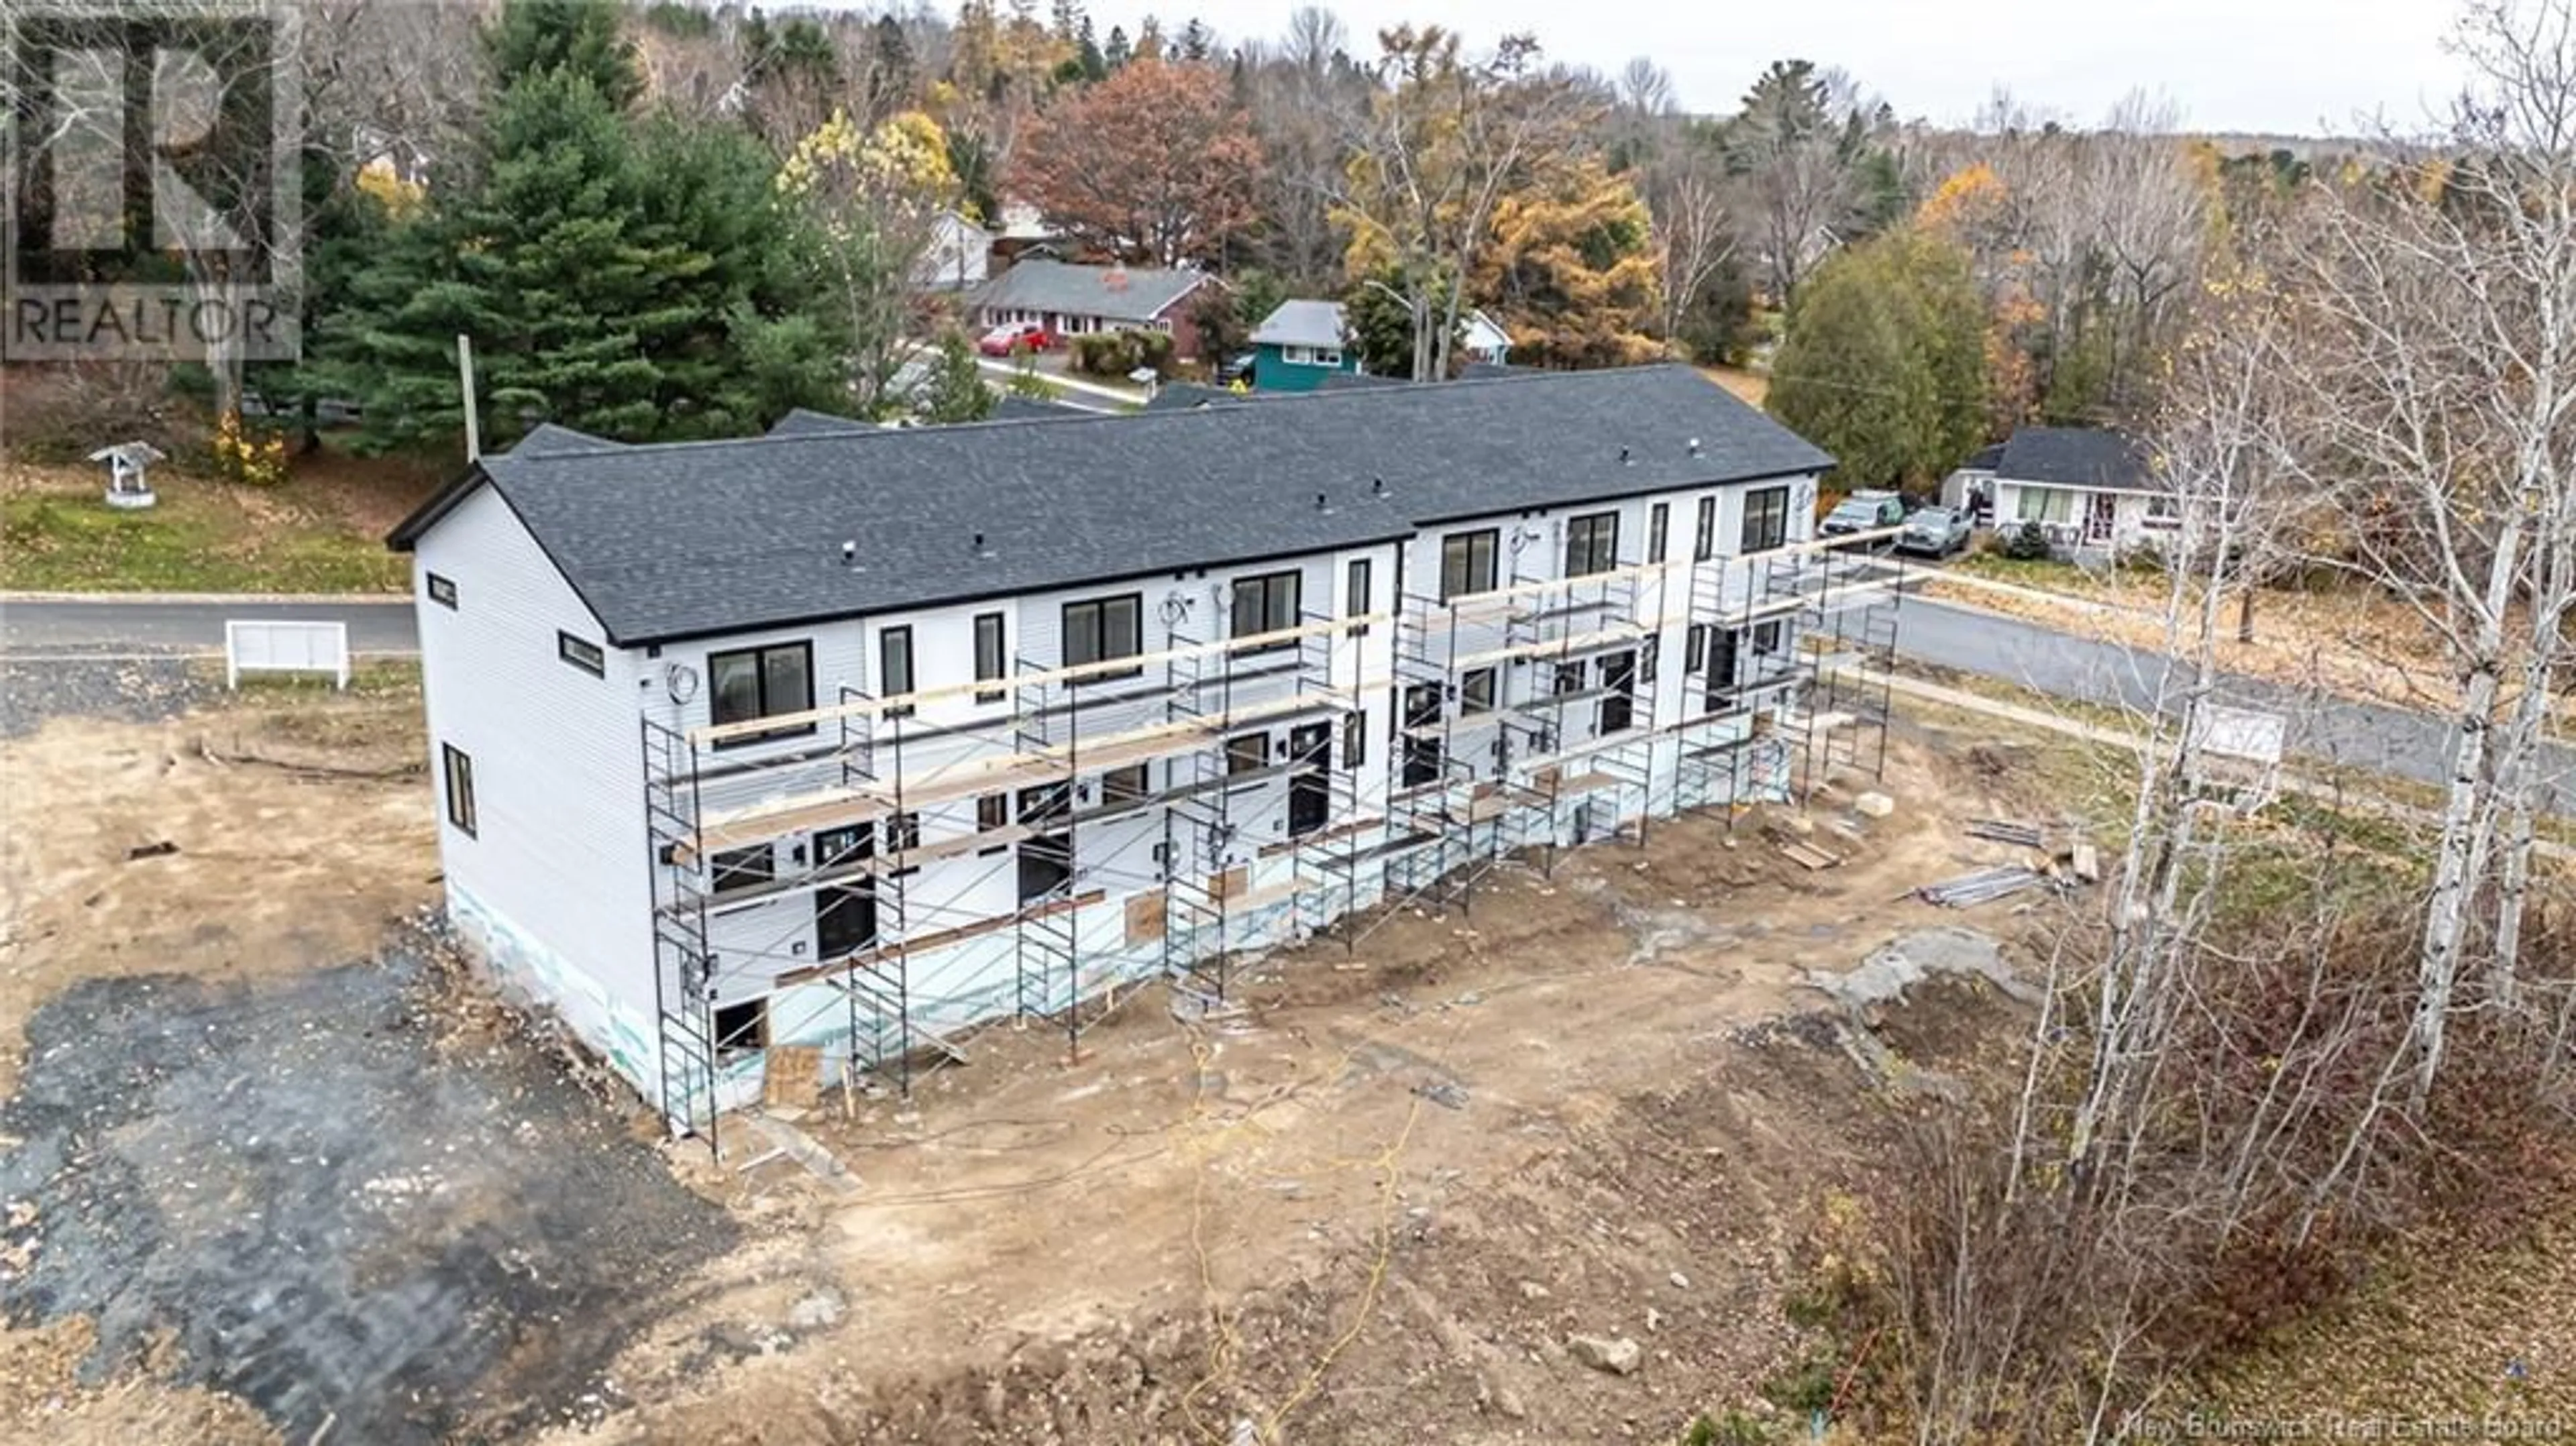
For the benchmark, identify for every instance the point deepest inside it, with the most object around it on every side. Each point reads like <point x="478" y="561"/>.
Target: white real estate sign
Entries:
<point x="285" y="647"/>
<point x="2239" y="733"/>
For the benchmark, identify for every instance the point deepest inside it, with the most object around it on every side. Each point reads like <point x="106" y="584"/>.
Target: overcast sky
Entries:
<point x="2301" y="67"/>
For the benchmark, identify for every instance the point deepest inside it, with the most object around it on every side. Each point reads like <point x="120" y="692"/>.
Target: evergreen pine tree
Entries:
<point x="1095" y="66"/>
<point x="1119" y="52"/>
<point x="955" y="390"/>
<point x="541" y="37"/>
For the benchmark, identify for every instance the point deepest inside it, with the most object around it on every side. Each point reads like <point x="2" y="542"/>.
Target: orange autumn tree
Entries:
<point x="1154" y="165"/>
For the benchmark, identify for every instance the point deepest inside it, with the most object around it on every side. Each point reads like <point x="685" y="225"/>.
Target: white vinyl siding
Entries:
<point x="557" y="850"/>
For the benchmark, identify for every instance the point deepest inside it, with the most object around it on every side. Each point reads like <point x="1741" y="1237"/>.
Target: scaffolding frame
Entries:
<point x="1038" y="752"/>
<point x="1834" y="603"/>
<point x="1560" y="650"/>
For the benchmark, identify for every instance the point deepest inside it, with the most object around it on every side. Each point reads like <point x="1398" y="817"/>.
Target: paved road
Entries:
<point x="2339" y="730"/>
<point x="95" y="628"/>
<point x="2365" y="735"/>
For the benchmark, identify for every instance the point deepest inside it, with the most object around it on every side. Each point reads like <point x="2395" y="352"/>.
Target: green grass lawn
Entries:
<point x="57" y="535"/>
<point x="2046" y="574"/>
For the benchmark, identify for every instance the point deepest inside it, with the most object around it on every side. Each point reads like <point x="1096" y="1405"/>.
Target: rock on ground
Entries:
<point x="1617" y="1355"/>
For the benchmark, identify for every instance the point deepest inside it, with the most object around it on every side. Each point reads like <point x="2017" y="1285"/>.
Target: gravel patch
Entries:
<point x="337" y="1208"/>
<point x="35" y="688"/>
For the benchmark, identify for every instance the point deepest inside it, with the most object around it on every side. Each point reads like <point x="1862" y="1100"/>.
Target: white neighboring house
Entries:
<point x="848" y="739"/>
<point x="957" y="257"/>
<point x="1483" y="339"/>
<point x="1070" y="300"/>
<point x="2091" y="490"/>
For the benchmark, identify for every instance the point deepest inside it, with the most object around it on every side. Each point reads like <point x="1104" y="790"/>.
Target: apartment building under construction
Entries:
<point x="855" y="739"/>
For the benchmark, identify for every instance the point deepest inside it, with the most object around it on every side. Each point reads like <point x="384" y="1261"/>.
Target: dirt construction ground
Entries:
<point x="278" y="1171"/>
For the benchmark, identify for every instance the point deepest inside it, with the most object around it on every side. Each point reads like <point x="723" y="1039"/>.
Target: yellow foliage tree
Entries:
<point x="1571" y="269"/>
<point x="875" y="196"/>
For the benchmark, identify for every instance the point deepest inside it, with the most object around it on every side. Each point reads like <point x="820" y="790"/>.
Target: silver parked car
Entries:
<point x="1936" y="532"/>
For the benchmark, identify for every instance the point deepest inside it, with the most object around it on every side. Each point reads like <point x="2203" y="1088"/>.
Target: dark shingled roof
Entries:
<point x="1355" y="382"/>
<point x="699" y="538"/>
<point x="1010" y="408"/>
<point x="548" y="440"/>
<point x="2078" y="457"/>
<point x="801" y="422"/>
<point x="1985" y="458"/>
<point x="1188" y="396"/>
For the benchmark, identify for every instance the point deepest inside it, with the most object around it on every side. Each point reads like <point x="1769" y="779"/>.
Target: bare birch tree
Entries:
<point x="2444" y="292"/>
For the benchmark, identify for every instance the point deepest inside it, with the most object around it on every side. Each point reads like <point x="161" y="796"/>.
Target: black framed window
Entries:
<point x="1354" y="740"/>
<point x="442" y="591"/>
<point x="1704" y="531"/>
<point x="1357" y="599"/>
<point x="459" y="769"/>
<point x="1591" y="543"/>
<point x="1476" y="691"/>
<point x="582" y="653"/>
<point x="992" y="812"/>
<point x="1467" y="562"/>
<point x="1267" y="604"/>
<point x="1125" y="785"/>
<point x="902" y="832"/>
<point x="1695" y="648"/>
<point x="1246" y="753"/>
<point x="1044" y="804"/>
<point x="1659" y="524"/>
<point x="894" y="668"/>
<point x="1766" y="519"/>
<point x="1767" y="636"/>
<point x="1100" y="630"/>
<point x="749" y="684"/>
<point x="730" y="871"/>
<point x="989" y="661"/>
<point x="742" y="1028"/>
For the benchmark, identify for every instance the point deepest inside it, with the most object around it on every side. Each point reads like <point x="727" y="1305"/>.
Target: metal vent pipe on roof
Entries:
<point x="850" y="553"/>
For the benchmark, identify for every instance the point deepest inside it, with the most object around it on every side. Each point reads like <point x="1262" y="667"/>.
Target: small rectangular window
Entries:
<point x="1354" y="741"/>
<point x="1766" y="636"/>
<point x="1266" y="604"/>
<point x="1476" y="691"/>
<point x="988" y="656"/>
<point x="741" y="1028"/>
<point x="731" y="871"/>
<point x="1357" y="601"/>
<point x="1695" y="648"/>
<point x="902" y="831"/>
<point x="1043" y="805"/>
<point x="1766" y="519"/>
<point x="1125" y="785"/>
<point x="754" y="683"/>
<point x="1704" y="531"/>
<point x="1421" y="704"/>
<point x="582" y="653"/>
<point x="1658" y="524"/>
<point x="1591" y="543"/>
<point x="992" y="813"/>
<point x="1467" y="562"/>
<point x="442" y="591"/>
<point x="894" y="668"/>
<point x="460" y="787"/>
<point x="1102" y="630"/>
<point x="1246" y="753"/>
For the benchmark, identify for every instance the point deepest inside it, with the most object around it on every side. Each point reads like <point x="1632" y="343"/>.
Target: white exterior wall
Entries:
<point x="557" y="887"/>
<point x="552" y="888"/>
<point x="755" y="943"/>
<point x="2131" y="529"/>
